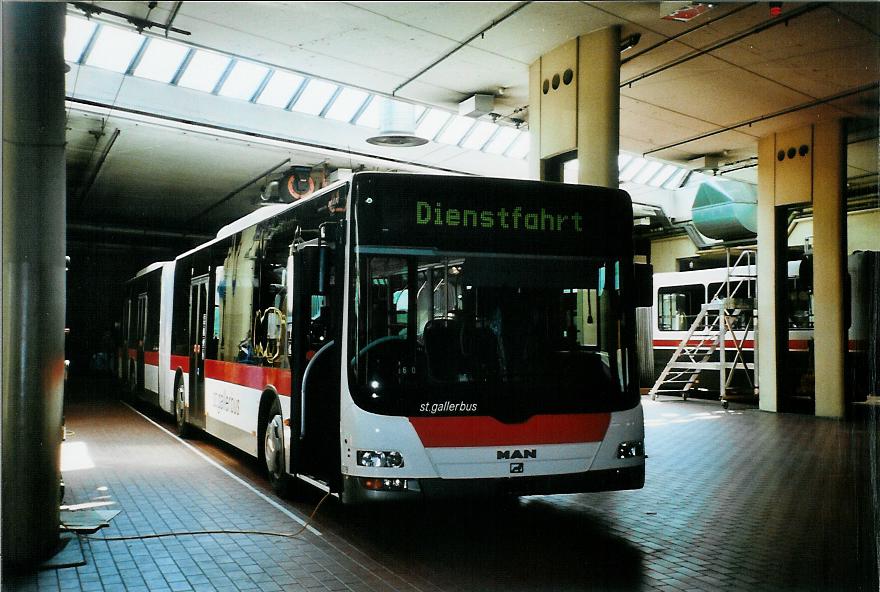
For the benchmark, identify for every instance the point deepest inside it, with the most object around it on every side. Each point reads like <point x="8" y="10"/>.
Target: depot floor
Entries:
<point x="734" y="500"/>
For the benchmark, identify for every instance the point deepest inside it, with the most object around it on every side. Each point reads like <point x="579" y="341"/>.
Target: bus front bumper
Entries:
<point x="357" y="491"/>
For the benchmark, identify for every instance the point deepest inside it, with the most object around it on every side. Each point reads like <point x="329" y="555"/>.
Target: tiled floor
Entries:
<point x="734" y="500"/>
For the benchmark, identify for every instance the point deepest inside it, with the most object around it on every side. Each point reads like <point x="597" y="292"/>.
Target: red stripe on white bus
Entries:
<point x="854" y="345"/>
<point x="151" y="357"/>
<point x="181" y="362"/>
<point x="256" y="377"/>
<point x="729" y="344"/>
<point x="449" y="432"/>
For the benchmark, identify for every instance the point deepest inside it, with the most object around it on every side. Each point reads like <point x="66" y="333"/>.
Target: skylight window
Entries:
<point x="622" y="161"/>
<point x="370" y="116"/>
<point x="634" y="166"/>
<point x="664" y="175"/>
<point x="520" y="147"/>
<point x="431" y="123"/>
<point x="502" y="140"/>
<point x="648" y="171"/>
<point x="315" y="96"/>
<point x="161" y="60"/>
<point x="482" y="131"/>
<point x="243" y="81"/>
<point x="114" y="49"/>
<point x="76" y="37"/>
<point x="346" y="104"/>
<point x="675" y="181"/>
<point x="203" y="71"/>
<point x="456" y="130"/>
<point x="280" y="89"/>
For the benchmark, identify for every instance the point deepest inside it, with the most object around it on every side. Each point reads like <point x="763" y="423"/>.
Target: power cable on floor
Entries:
<point x="288" y="535"/>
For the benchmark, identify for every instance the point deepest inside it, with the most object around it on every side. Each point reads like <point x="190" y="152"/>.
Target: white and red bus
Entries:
<point x="399" y="336"/>
<point x="678" y="297"/>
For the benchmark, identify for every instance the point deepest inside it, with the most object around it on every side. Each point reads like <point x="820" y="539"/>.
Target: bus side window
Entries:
<point x="678" y="306"/>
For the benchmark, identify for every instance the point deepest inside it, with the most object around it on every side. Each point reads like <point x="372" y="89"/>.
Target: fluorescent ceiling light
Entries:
<point x="502" y="140"/>
<point x="315" y="96"/>
<point x="161" y="60"/>
<point x="482" y="131"/>
<point x="76" y="36"/>
<point x="243" y="81"/>
<point x="203" y="71"/>
<point x="520" y="146"/>
<point x="280" y="89"/>
<point x="346" y="104"/>
<point x="114" y="49"/>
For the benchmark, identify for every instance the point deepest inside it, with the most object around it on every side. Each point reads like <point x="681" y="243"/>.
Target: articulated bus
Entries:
<point x="400" y="336"/>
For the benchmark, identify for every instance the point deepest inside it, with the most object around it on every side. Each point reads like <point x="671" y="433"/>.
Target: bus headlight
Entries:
<point x="379" y="458"/>
<point x="631" y="449"/>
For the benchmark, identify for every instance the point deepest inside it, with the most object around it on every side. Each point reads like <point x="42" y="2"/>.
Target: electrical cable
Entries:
<point x="288" y="535"/>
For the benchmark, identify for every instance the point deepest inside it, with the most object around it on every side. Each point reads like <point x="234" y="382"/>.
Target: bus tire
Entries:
<point x="273" y="450"/>
<point x="183" y="429"/>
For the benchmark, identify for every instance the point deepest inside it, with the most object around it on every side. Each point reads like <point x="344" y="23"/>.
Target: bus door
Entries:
<point x="315" y="364"/>
<point x="198" y="329"/>
<point x="139" y="337"/>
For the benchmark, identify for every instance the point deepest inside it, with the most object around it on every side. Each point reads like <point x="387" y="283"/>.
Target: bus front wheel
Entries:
<point x="273" y="451"/>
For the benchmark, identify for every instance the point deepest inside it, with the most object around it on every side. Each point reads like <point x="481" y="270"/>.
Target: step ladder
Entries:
<point x="711" y="339"/>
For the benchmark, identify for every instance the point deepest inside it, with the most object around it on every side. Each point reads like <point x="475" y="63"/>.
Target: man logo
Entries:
<point x="511" y="454"/>
<point x="517" y="467"/>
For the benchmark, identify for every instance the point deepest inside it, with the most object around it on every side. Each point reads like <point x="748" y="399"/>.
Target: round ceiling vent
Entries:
<point x="396" y="125"/>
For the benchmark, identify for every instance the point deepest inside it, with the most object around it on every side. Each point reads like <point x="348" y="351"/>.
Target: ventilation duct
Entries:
<point x="397" y="124"/>
<point x="726" y="210"/>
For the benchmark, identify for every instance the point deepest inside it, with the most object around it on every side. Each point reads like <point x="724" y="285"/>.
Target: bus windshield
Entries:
<point x="472" y="334"/>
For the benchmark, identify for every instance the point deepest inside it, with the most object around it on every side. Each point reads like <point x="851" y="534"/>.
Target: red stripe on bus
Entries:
<point x="449" y="432"/>
<point x="181" y="362"/>
<point x="151" y="357"/>
<point x="729" y="344"/>
<point x="256" y="377"/>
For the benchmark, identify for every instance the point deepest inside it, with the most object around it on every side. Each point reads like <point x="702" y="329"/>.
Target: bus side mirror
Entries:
<point x="643" y="285"/>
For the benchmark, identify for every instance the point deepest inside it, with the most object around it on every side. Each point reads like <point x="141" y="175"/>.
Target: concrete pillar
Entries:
<point x="829" y="265"/>
<point x="33" y="278"/>
<point x="803" y="166"/>
<point x="768" y="335"/>
<point x="574" y="105"/>
<point x="598" y="109"/>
